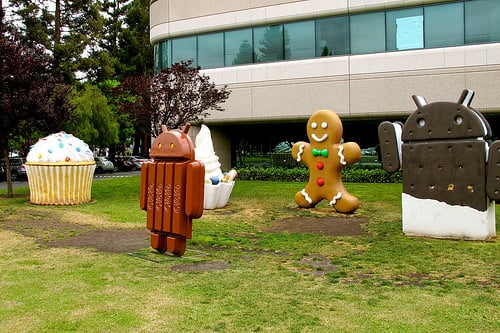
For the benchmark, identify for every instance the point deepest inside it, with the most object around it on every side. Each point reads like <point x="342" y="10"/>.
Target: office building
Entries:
<point x="364" y="59"/>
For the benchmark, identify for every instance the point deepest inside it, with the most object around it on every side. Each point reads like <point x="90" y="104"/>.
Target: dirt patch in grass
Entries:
<point x="54" y="232"/>
<point x="328" y="226"/>
<point x="108" y="240"/>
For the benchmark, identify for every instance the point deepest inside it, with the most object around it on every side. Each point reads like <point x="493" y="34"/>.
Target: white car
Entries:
<point x="103" y="165"/>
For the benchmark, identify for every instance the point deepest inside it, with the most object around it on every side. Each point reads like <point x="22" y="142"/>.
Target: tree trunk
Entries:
<point x="8" y="172"/>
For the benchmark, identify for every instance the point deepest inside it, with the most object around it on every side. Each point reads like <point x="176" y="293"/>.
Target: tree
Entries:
<point x="104" y="62"/>
<point x="135" y="51"/>
<point x="135" y="101"/>
<point x="69" y="29"/>
<point x="181" y="94"/>
<point x="95" y="123"/>
<point x="28" y="91"/>
<point x="173" y="97"/>
<point x="124" y="120"/>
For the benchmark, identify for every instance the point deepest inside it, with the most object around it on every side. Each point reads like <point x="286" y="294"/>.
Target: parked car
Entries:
<point x="136" y="161"/>
<point x="124" y="164"/>
<point x="17" y="168"/>
<point x="103" y="165"/>
<point x="139" y="159"/>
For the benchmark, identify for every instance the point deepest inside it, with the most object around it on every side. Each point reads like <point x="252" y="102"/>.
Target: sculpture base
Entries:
<point x="432" y="218"/>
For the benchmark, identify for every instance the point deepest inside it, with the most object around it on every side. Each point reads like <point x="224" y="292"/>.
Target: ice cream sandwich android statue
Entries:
<point x="450" y="171"/>
<point x="326" y="157"/>
<point x="172" y="190"/>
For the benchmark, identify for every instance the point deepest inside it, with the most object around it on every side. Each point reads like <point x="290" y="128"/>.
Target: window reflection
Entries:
<point x="238" y="47"/>
<point x="435" y="25"/>
<point x="211" y="50"/>
<point x="184" y="49"/>
<point x="367" y="33"/>
<point x="269" y="44"/>
<point x="444" y="25"/>
<point x="482" y="21"/>
<point x="299" y="41"/>
<point x="332" y="36"/>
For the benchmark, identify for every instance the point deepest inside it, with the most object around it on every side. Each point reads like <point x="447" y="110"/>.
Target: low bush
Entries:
<point x="301" y="174"/>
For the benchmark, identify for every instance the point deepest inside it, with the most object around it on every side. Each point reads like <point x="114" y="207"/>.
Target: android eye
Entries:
<point x="172" y="146"/>
<point x="421" y="122"/>
<point x="314" y="125"/>
<point x="159" y="145"/>
<point x="324" y="124"/>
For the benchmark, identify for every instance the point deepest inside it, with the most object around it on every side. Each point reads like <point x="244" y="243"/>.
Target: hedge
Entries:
<point x="301" y="174"/>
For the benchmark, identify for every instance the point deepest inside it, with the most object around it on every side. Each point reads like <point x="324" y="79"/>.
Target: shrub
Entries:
<point x="301" y="174"/>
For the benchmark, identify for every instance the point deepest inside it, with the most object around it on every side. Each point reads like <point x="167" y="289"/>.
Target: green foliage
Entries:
<point x="95" y="123"/>
<point x="301" y="174"/>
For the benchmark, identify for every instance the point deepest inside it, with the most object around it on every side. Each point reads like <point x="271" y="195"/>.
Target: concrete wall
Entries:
<point x="362" y="86"/>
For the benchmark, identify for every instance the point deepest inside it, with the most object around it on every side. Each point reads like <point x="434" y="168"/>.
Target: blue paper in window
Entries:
<point x="410" y="33"/>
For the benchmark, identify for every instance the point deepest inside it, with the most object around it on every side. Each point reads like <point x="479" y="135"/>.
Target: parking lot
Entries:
<point x="97" y="177"/>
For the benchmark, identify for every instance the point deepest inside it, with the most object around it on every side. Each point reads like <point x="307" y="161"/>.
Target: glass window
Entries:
<point x="184" y="49"/>
<point x="444" y="25"/>
<point x="162" y="55"/>
<point x="482" y="21"/>
<point x="268" y="43"/>
<point x="404" y="29"/>
<point x="211" y="50"/>
<point x="332" y="36"/>
<point x="368" y="33"/>
<point x="238" y="47"/>
<point x="157" y="57"/>
<point x="299" y="41"/>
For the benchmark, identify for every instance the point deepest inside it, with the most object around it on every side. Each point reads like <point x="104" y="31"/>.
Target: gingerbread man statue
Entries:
<point x="325" y="157"/>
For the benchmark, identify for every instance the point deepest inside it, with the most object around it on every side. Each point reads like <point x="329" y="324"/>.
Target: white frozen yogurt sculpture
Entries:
<point x="218" y="186"/>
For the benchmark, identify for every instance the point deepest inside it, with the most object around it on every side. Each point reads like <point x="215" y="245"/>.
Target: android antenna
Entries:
<point x="466" y="97"/>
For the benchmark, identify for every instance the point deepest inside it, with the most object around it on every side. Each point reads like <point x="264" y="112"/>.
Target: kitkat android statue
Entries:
<point x="172" y="189"/>
<point x="451" y="171"/>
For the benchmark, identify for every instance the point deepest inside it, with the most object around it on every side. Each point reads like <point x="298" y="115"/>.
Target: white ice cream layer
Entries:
<point x="432" y="218"/>
<point x="204" y="152"/>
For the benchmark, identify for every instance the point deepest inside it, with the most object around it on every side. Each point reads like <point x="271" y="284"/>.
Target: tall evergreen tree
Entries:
<point x="69" y="29"/>
<point x="105" y="63"/>
<point x="135" y="52"/>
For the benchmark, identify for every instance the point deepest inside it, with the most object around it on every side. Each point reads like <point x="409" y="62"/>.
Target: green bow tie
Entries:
<point x="320" y="152"/>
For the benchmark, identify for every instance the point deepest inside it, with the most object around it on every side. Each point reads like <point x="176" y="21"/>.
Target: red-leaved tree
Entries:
<point x="177" y="95"/>
<point x="31" y="98"/>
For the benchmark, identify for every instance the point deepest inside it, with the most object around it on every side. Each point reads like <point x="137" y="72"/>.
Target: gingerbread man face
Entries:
<point x="324" y="127"/>
<point x="326" y="156"/>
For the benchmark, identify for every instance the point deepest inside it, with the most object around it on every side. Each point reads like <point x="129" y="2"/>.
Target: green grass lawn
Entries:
<point x="381" y="281"/>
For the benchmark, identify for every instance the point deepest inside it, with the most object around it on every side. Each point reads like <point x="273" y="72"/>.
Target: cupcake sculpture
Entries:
<point x="60" y="168"/>
<point x="218" y="185"/>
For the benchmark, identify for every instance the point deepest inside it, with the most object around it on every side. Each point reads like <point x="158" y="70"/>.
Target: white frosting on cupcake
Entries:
<point x="60" y="147"/>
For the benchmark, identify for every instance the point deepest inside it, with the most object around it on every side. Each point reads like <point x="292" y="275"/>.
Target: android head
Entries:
<point x="445" y="120"/>
<point x="173" y="144"/>
<point x="324" y="127"/>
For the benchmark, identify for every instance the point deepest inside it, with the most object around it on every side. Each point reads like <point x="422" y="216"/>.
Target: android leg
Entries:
<point x="176" y="245"/>
<point x="158" y="242"/>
